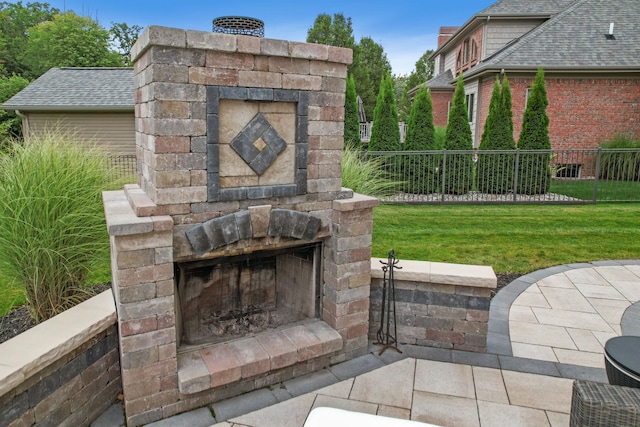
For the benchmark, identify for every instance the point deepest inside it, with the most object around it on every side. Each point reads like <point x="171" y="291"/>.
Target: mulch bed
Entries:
<point x="19" y="320"/>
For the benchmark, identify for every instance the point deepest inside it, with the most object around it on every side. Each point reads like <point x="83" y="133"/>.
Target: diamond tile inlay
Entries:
<point x="258" y="144"/>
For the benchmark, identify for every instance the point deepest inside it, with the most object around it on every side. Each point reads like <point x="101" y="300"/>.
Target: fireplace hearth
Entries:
<point x="238" y="260"/>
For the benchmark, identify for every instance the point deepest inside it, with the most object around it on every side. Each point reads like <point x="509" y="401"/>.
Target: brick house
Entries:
<point x="589" y="50"/>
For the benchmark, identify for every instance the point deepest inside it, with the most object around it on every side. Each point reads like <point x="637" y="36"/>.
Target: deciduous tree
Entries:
<point x="123" y="38"/>
<point x="370" y="66"/>
<point x="336" y="31"/>
<point x="422" y="73"/>
<point x="69" y="40"/>
<point x="15" y="21"/>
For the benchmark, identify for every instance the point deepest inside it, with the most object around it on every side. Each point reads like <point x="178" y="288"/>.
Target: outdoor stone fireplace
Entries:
<point x="238" y="260"/>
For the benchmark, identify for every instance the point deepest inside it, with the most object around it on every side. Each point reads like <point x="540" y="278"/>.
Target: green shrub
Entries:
<point x="366" y="175"/>
<point x="459" y="167"/>
<point x="420" y="172"/>
<point x="440" y="135"/>
<point x="495" y="170"/>
<point x="52" y="226"/>
<point x="534" y="173"/>
<point x="351" y="117"/>
<point x="620" y="166"/>
<point x="10" y="123"/>
<point x="385" y="133"/>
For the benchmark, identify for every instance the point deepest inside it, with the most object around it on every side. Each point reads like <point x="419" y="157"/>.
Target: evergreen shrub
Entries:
<point x="421" y="171"/>
<point x="534" y="172"/>
<point x="620" y="166"/>
<point x="495" y="170"/>
<point x="458" y="174"/>
<point x="351" y="117"/>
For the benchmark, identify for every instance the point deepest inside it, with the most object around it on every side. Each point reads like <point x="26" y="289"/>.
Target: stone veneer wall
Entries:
<point x="437" y="304"/>
<point x="64" y="371"/>
<point x="175" y="71"/>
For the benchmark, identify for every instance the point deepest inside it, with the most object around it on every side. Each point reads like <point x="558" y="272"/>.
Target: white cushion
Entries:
<point x="331" y="417"/>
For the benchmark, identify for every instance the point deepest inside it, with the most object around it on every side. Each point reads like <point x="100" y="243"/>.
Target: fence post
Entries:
<point x="597" y="174"/>
<point x="515" y="174"/>
<point x="444" y="174"/>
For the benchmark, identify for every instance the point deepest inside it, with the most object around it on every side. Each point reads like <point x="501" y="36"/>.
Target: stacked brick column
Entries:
<point x="348" y="272"/>
<point x="143" y="285"/>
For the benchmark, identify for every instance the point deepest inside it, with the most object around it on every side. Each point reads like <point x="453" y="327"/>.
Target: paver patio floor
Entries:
<point x="546" y="329"/>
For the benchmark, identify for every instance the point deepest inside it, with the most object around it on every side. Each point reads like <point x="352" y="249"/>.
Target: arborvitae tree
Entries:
<point x="458" y="175"/>
<point x="351" y="118"/>
<point x="534" y="173"/>
<point x="495" y="171"/>
<point x="508" y="113"/>
<point x="420" y="129"/>
<point x="421" y="173"/>
<point x="385" y="133"/>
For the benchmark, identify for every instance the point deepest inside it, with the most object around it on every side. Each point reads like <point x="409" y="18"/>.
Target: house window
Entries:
<point x="466" y="51"/>
<point x="474" y="50"/>
<point x="526" y="99"/>
<point x="470" y="98"/>
<point x="459" y="60"/>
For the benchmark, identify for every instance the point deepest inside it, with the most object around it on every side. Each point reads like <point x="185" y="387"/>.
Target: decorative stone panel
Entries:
<point x="258" y="143"/>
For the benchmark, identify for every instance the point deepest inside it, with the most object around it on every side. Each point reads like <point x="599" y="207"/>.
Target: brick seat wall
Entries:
<point x="64" y="371"/>
<point x="437" y="304"/>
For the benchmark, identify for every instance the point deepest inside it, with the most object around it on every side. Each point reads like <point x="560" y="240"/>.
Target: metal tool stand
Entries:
<point x="384" y="335"/>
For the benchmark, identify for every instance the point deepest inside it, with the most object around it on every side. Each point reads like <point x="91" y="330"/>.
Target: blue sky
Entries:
<point x="406" y="29"/>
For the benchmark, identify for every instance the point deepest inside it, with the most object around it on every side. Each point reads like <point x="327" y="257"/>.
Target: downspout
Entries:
<point x="484" y="39"/>
<point x="25" y="124"/>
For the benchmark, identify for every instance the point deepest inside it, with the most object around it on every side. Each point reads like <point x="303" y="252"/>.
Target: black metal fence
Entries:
<point x="124" y="165"/>
<point x="498" y="177"/>
<point x="514" y="176"/>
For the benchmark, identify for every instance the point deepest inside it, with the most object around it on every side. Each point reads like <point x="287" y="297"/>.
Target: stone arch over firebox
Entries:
<point x="241" y="225"/>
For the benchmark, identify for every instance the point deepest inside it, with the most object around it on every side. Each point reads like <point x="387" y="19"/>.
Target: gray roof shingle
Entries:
<point x="575" y="39"/>
<point x="76" y="89"/>
<point x="526" y="7"/>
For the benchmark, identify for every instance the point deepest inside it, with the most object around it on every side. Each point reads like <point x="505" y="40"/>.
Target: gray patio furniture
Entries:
<point x="598" y="404"/>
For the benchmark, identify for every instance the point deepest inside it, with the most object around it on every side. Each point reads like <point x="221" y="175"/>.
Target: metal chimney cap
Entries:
<point x="239" y="25"/>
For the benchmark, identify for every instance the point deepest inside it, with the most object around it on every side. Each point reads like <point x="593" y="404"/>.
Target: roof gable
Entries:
<point x="77" y="89"/>
<point x="575" y="39"/>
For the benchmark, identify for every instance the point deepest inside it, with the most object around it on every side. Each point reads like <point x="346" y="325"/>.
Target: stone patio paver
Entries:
<point x="444" y="410"/>
<point x="538" y="391"/>
<point x="291" y="413"/>
<point x="498" y="414"/>
<point x="391" y="385"/>
<point x="444" y="378"/>
<point x="489" y="385"/>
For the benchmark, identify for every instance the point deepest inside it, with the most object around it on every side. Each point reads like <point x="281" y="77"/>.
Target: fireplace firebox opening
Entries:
<point x="227" y="298"/>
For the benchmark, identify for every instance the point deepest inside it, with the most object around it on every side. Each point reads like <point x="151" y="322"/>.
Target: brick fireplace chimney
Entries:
<point x="239" y="145"/>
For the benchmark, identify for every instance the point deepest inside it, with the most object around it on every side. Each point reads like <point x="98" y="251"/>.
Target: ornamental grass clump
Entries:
<point x="52" y="225"/>
<point x="366" y="175"/>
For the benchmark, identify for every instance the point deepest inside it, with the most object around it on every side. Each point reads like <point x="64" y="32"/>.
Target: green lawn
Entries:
<point x="607" y="190"/>
<point x="517" y="239"/>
